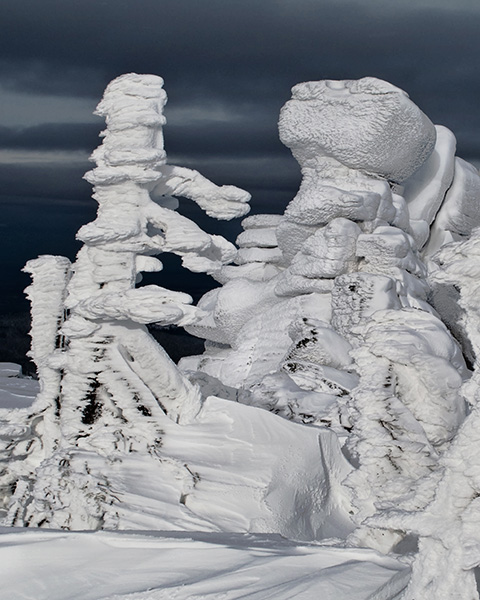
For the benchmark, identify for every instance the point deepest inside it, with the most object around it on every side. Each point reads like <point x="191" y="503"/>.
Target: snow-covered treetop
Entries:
<point x="132" y="150"/>
<point x="367" y="124"/>
<point x="133" y="141"/>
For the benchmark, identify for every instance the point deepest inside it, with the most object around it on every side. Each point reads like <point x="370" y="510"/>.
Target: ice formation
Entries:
<point x="352" y="317"/>
<point x="443" y="510"/>
<point x="330" y="316"/>
<point x="104" y="380"/>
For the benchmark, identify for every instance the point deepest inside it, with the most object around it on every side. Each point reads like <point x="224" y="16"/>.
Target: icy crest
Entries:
<point x="347" y="121"/>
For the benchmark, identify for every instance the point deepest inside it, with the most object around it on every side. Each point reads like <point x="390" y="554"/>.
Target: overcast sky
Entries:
<point x="228" y="67"/>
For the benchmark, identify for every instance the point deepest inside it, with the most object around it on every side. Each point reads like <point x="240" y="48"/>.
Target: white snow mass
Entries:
<point x="325" y="442"/>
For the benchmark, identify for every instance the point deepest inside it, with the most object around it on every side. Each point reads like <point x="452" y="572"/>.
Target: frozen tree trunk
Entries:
<point x="408" y="404"/>
<point x="447" y="525"/>
<point x="40" y="431"/>
<point x="47" y="296"/>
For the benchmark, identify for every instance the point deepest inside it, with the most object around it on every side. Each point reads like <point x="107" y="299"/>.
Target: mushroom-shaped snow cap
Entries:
<point x="368" y="124"/>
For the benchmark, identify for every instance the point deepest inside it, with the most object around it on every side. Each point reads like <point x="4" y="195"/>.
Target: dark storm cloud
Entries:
<point x="54" y="180"/>
<point x="241" y="52"/>
<point x="228" y="67"/>
<point x="241" y="56"/>
<point x="245" y="137"/>
<point x="236" y="50"/>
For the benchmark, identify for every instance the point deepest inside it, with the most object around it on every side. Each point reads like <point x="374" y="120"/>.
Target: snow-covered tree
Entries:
<point x="327" y="316"/>
<point x="104" y="379"/>
<point x="337" y="314"/>
<point x="443" y="510"/>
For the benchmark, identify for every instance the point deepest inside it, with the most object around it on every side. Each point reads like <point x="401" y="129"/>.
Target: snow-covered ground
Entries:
<point x="61" y="565"/>
<point x="54" y="565"/>
<point x="16" y="391"/>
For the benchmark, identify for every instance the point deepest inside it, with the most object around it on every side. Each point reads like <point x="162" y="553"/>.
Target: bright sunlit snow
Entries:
<point x="325" y="442"/>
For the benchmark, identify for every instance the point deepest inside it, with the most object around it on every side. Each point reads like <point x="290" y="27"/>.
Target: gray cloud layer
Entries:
<point x="244" y="54"/>
<point x="228" y="67"/>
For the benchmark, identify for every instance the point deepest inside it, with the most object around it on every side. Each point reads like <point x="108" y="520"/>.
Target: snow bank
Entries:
<point x="237" y="468"/>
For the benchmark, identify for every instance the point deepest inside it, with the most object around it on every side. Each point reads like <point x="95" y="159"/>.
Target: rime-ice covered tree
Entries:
<point x="104" y="379"/>
<point x="444" y="509"/>
<point x="336" y="313"/>
<point x="327" y="317"/>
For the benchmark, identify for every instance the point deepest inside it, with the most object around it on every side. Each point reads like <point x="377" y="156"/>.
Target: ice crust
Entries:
<point x="337" y="396"/>
<point x="186" y="566"/>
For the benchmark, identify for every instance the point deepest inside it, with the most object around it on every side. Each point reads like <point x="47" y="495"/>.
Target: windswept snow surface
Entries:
<point x="235" y="468"/>
<point x="234" y="479"/>
<point x="52" y="565"/>
<point x="16" y="392"/>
